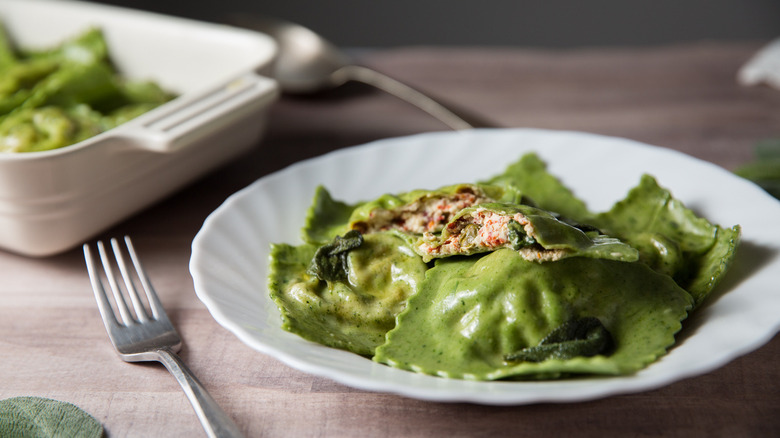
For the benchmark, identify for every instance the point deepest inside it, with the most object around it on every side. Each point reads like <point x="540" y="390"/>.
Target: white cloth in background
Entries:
<point x="763" y="67"/>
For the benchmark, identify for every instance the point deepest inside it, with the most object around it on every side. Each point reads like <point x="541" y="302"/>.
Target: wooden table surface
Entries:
<point x="53" y="344"/>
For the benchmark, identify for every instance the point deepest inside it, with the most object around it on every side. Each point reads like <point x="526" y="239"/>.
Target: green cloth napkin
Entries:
<point x="36" y="417"/>
<point x="765" y="169"/>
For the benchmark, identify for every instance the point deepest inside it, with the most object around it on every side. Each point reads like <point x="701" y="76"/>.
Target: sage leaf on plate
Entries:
<point x="580" y="337"/>
<point x="330" y="260"/>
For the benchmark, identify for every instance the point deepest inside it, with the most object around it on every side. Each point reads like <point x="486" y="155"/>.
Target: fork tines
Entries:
<point x="130" y="280"/>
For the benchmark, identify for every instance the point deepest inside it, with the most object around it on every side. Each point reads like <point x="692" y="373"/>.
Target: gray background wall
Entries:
<point x="535" y="23"/>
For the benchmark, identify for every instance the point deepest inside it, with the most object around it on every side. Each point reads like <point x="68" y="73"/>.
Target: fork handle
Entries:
<point x="214" y="420"/>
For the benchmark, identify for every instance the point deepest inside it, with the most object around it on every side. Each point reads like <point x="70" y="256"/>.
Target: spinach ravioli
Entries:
<point x="463" y="323"/>
<point x="508" y="278"/>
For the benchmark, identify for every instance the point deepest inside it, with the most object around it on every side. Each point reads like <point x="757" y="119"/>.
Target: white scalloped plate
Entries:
<point x="230" y="253"/>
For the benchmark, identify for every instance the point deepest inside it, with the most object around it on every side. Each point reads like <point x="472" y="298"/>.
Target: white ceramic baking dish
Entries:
<point x="53" y="200"/>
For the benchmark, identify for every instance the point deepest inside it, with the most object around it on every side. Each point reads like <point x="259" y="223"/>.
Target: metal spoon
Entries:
<point x="308" y="63"/>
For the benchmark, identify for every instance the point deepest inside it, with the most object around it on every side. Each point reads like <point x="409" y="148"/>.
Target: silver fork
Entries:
<point x="145" y="337"/>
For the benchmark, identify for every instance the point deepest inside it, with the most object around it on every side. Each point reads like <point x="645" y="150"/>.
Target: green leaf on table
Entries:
<point x="41" y="417"/>
<point x="768" y="148"/>
<point x="765" y="169"/>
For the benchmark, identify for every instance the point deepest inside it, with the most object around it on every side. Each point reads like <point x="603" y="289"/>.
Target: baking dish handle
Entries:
<point x="166" y="129"/>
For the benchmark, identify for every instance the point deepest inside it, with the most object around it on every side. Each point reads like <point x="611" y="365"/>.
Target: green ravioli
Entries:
<point x="529" y="285"/>
<point x="670" y="237"/>
<point x="529" y="175"/>
<point x="355" y="314"/>
<point x="326" y="218"/>
<point x="56" y="97"/>
<point x="472" y="312"/>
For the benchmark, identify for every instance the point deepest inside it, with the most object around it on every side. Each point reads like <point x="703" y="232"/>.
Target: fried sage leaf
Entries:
<point x="580" y="337"/>
<point x="330" y="261"/>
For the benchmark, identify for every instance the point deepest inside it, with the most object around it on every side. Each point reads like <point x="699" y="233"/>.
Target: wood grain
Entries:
<point x="52" y="342"/>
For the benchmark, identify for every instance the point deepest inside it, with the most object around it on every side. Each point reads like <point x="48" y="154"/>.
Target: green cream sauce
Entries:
<point x="353" y="315"/>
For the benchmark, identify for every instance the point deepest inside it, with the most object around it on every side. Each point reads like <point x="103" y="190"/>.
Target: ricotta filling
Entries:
<point x="426" y="214"/>
<point x="484" y="230"/>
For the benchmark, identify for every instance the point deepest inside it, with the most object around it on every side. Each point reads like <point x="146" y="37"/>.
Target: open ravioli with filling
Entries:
<point x="535" y="234"/>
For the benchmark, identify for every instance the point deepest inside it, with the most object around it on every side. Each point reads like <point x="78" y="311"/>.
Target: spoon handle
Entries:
<point x="447" y="115"/>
